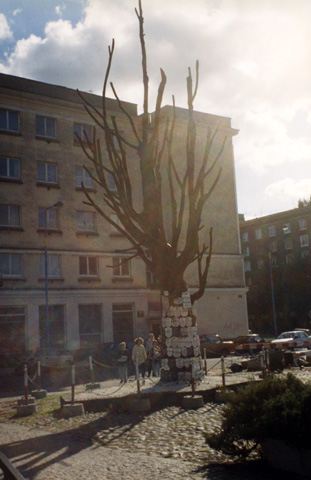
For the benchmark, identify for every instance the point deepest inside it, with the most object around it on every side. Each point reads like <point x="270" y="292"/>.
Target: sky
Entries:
<point x="255" y="68"/>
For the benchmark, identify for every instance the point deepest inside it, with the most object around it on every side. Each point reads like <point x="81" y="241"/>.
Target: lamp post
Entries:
<point x="272" y="292"/>
<point x="47" y="324"/>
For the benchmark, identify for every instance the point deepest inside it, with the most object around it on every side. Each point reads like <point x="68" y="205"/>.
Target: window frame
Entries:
<point x="7" y="121"/>
<point x="302" y="222"/>
<point x="9" y="177"/>
<point x="87" y="274"/>
<point x="50" y="258"/>
<point x="121" y="268"/>
<point x="84" y="127"/>
<point x="258" y="233"/>
<point x="50" y="225"/>
<point x="46" y="180"/>
<point x="10" y="274"/>
<point x="302" y="242"/>
<point x="9" y="224"/>
<point x="80" y="225"/>
<point x="272" y="230"/>
<point x="83" y="177"/>
<point x="45" y="128"/>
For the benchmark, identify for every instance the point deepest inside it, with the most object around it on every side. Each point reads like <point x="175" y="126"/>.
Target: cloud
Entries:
<point x="288" y="187"/>
<point x="254" y="67"/>
<point x="17" y="11"/>
<point x="5" y="31"/>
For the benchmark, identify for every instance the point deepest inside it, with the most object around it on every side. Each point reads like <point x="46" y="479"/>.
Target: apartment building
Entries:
<point x="277" y="265"/>
<point x="89" y="296"/>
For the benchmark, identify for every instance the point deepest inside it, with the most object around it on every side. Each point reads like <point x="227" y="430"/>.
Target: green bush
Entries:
<point x="278" y="408"/>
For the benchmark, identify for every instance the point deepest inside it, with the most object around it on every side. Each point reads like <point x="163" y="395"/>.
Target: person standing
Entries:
<point x="123" y="361"/>
<point x="155" y="354"/>
<point x="149" y="345"/>
<point x="139" y="358"/>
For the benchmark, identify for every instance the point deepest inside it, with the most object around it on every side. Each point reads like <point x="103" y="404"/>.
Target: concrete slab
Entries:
<point x="26" y="410"/>
<point x="72" y="410"/>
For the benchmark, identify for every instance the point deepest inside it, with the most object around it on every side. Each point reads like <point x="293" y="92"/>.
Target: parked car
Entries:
<point x="49" y="358"/>
<point x="250" y="343"/>
<point x="215" y="346"/>
<point x="292" y="339"/>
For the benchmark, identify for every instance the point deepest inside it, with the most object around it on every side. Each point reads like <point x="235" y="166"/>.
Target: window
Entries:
<point x="10" y="216"/>
<point x="302" y="224"/>
<point x="260" y="264"/>
<point x="304" y="240"/>
<point x="9" y="168"/>
<point x="51" y="218"/>
<point x="286" y="228"/>
<point x="289" y="258"/>
<point x="90" y="325"/>
<point x="246" y="251"/>
<point x="12" y="328"/>
<point x="274" y="246"/>
<point x="88" y="266"/>
<point x="47" y="172"/>
<point x="9" y="120"/>
<point x="45" y="127"/>
<point x="274" y="261"/>
<point x="54" y="266"/>
<point x="123" y="322"/>
<point x="111" y="183"/>
<point x="247" y="266"/>
<point x="83" y="132"/>
<point x="258" y="233"/>
<point x="121" y="266"/>
<point x="272" y="230"/>
<point x="11" y="264"/>
<point x="288" y="244"/>
<point x="56" y="314"/>
<point x="82" y="176"/>
<point x="86" y="221"/>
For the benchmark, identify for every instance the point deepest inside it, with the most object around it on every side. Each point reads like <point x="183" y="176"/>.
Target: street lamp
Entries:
<point x="285" y="229"/>
<point x="47" y="324"/>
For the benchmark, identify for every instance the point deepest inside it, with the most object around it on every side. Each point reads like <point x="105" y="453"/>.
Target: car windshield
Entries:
<point x="286" y="335"/>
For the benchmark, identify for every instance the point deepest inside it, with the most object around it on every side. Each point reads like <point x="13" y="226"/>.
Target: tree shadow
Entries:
<point x="246" y="470"/>
<point x="41" y="451"/>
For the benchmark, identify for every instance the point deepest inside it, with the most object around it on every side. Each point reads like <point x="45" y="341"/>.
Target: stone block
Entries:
<point x="139" y="405"/>
<point x="26" y="410"/>
<point x="92" y="386"/>
<point x="72" y="410"/>
<point x="195" y="401"/>
<point x="39" y="393"/>
<point x="30" y="401"/>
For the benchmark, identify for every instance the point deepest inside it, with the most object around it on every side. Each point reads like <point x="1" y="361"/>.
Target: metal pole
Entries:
<point x="39" y="376"/>
<point x="91" y="368"/>
<point x="73" y="381"/>
<point x="137" y="378"/>
<point x="26" y="384"/>
<point x="47" y="324"/>
<point x="272" y="289"/>
<point x="223" y="371"/>
<point x="205" y="364"/>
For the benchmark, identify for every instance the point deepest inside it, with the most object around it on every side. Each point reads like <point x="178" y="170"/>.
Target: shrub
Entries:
<point x="277" y="408"/>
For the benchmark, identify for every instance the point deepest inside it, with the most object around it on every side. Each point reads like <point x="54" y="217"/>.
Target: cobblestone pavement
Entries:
<point x="165" y="444"/>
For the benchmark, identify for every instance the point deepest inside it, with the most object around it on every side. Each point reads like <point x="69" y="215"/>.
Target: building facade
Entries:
<point x="90" y="296"/>
<point x="277" y="267"/>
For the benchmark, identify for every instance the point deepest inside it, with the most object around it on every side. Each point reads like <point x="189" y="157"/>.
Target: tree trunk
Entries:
<point x="180" y="343"/>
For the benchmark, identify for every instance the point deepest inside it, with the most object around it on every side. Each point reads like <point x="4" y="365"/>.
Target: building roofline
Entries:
<point x="35" y="87"/>
<point x="298" y="211"/>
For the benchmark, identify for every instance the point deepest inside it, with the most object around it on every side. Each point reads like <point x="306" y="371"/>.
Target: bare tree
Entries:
<point x="146" y="229"/>
<point x="164" y="230"/>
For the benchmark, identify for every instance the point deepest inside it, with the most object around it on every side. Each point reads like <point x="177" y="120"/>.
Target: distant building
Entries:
<point x="276" y="251"/>
<point x="93" y="297"/>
